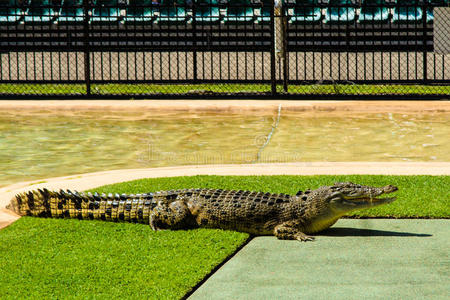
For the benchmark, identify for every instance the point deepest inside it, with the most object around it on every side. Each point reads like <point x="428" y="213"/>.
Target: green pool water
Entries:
<point x="43" y="144"/>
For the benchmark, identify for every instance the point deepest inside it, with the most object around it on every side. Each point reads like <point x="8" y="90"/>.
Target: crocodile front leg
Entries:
<point x="288" y="231"/>
<point x="175" y="215"/>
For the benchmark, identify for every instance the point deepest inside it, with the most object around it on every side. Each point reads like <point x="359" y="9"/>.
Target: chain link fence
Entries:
<point x="220" y="48"/>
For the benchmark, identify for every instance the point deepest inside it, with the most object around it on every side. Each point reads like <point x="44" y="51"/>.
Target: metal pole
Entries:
<point x="424" y="31"/>
<point x="194" y="33"/>
<point x="87" y="65"/>
<point x="284" y="49"/>
<point x="272" y="51"/>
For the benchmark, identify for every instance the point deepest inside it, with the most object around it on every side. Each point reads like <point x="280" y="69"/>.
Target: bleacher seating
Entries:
<point x="207" y="11"/>
<point x="240" y="11"/>
<point x="263" y="13"/>
<point x="71" y="11"/>
<point x="214" y="12"/>
<point x="214" y="25"/>
<point x="310" y="13"/>
<point x="173" y="11"/>
<point x="373" y="11"/>
<point x="407" y="11"/>
<point x="40" y="11"/>
<point x="141" y="11"/>
<point x="340" y="11"/>
<point x="10" y="12"/>
<point x="435" y="3"/>
<point x="106" y="11"/>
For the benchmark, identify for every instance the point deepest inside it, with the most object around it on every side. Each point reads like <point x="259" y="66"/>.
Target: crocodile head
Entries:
<point x="347" y="196"/>
<point x="329" y="203"/>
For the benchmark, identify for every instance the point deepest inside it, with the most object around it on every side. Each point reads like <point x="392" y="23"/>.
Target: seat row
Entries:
<point x="408" y="11"/>
<point x="208" y="11"/>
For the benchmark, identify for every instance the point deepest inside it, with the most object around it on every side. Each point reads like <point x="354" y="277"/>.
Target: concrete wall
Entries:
<point x="222" y="66"/>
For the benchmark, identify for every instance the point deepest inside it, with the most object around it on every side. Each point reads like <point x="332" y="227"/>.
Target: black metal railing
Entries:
<point x="140" y="48"/>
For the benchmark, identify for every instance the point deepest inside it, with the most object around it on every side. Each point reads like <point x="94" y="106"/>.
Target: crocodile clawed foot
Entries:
<point x="304" y="237"/>
<point x="153" y="223"/>
<point x="288" y="231"/>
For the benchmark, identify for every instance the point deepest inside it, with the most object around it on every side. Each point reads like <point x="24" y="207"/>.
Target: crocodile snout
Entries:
<point x="390" y="189"/>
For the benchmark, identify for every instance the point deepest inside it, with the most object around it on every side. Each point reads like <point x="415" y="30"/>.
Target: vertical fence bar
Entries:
<point x="194" y="37"/>
<point x="87" y="65"/>
<point x="284" y="25"/>
<point x="272" y="51"/>
<point x="424" y="32"/>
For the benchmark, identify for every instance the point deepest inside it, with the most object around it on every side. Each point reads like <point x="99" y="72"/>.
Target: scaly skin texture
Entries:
<point x="285" y="216"/>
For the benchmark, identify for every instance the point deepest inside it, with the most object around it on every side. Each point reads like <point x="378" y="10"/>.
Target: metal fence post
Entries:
<point x="87" y="65"/>
<point x="194" y="35"/>
<point x="273" y="79"/>
<point x="284" y="54"/>
<point x="424" y="31"/>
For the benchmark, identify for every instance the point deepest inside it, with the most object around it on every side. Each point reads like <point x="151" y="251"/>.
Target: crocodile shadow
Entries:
<point x="344" y="231"/>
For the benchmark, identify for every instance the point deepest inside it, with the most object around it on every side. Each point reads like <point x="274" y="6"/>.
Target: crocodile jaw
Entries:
<point x="367" y="202"/>
<point x="361" y="197"/>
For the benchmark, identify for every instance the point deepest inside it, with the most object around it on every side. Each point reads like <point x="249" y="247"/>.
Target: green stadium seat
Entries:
<point x="264" y="16"/>
<point x="409" y="13"/>
<point x="173" y="11"/>
<point x="207" y="11"/>
<point x="435" y="3"/>
<point x="10" y="12"/>
<point x="105" y="11"/>
<point x="141" y="11"/>
<point x="71" y="12"/>
<point x="373" y="11"/>
<point x="310" y="13"/>
<point x="41" y="11"/>
<point x="338" y="12"/>
<point x="239" y="11"/>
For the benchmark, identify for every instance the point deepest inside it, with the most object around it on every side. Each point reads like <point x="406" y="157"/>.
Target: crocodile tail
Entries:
<point x="84" y="206"/>
<point x="32" y="203"/>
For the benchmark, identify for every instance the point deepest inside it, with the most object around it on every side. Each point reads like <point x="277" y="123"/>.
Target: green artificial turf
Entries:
<point x="136" y="89"/>
<point x="54" y="258"/>
<point x="368" y="89"/>
<point x="59" y="259"/>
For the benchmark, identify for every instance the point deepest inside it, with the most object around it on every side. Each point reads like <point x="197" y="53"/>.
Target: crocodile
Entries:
<point x="291" y="217"/>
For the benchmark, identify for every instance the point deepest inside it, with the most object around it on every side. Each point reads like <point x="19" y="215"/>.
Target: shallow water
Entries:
<point x="42" y="144"/>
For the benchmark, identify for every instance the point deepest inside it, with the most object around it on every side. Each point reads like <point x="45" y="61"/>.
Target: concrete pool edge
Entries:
<point x="96" y="179"/>
<point x="230" y="106"/>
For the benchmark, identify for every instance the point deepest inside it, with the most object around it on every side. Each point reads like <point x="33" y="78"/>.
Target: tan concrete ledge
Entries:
<point x="92" y="180"/>
<point x="231" y="106"/>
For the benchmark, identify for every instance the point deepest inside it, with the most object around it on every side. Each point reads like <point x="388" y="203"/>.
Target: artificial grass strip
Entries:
<point x="149" y="89"/>
<point x="59" y="259"/>
<point x="55" y="258"/>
